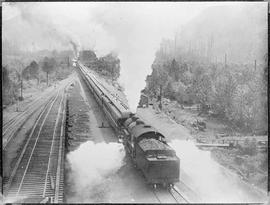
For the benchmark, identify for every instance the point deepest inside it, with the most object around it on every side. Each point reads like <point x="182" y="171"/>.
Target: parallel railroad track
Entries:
<point x="38" y="172"/>
<point x="176" y="194"/>
<point x="8" y="123"/>
<point x="11" y="127"/>
<point x="171" y="195"/>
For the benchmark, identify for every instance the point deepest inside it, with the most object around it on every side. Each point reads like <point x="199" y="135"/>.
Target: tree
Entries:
<point x="174" y="70"/>
<point x="109" y="65"/>
<point x="34" y="67"/>
<point x="158" y="77"/>
<point x="87" y="56"/>
<point x="18" y="65"/>
<point x="48" y="66"/>
<point x="31" y="71"/>
<point x="5" y="77"/>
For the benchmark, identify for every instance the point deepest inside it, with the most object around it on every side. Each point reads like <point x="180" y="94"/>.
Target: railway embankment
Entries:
<point x="77" y="119"/>
<point x="78" y="131"/>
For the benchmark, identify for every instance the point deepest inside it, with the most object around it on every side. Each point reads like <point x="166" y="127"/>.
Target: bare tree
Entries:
<point x="19" y="66"/>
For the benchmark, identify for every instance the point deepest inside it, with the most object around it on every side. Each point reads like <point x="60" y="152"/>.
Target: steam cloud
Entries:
<point x="213" y="182"/>
<point x="12" y="200"/>
<point x="91" y="166"/>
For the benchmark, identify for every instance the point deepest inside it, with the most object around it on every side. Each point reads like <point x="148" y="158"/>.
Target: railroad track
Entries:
<point x="15" y="125"/>
<point x="38" y="172"/>
<point x="13" y="119"/>
<point x="12" y="126"/>
<point x="171" y="195"/>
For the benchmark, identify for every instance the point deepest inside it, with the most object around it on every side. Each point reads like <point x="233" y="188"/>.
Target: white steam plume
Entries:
<point x="137" y="30"/>
<point x="212" y="182"/>
<point x="12" y="200"/>
<point x="91" y="165"/>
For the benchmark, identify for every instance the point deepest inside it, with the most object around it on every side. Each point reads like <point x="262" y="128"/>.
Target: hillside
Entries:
<point x="238" y="31"/>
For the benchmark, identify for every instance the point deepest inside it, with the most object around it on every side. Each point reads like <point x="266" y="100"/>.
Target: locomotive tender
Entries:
<point x="146" y="146"/>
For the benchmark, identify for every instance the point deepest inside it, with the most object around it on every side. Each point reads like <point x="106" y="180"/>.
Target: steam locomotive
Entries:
<point x="146" y="146"/>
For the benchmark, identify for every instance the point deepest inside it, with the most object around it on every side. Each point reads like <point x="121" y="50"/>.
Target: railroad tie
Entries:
<point x="52" y="182"/>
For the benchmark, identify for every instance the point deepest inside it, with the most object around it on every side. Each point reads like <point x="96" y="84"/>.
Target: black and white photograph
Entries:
<point x="134" y="102"/>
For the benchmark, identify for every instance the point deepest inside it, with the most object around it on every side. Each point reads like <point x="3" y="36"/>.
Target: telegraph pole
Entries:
<point x="255" y="65"/>
<point x="225" y="60"/>
<point x="112" y="73"/>
<point x="175" y="45"/>
<point x="21" y="88"/>
<point x="160" y="96"/>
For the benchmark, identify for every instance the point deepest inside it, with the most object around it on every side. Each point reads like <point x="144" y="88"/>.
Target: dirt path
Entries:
<point x="162" y="121"/>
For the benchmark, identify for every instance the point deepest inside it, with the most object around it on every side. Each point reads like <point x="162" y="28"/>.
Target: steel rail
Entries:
<point x="178" y="192"/>
<point x="33" y="149"/>
<point x="13" y="129"/>
<point x="60" y="157"/>
<point x="10" y="121"/>
<point x="14" y="170"/>
<point x="14" y="119"/>
<point x="52" y="145"/>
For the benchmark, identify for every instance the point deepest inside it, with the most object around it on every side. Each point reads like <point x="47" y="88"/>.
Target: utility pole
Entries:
<point x="160" y="96"/>
<point x="225" y="60"/>
<point x="21" y="87"/>
<point x="112" y="73"/>
<point x="255" y="65"/>
<point x="175" y="45"/>
<point x="47" y="78"/>
<point x="68" y="61"/>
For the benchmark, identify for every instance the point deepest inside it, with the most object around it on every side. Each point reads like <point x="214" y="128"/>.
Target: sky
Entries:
<point x="88" y="23"/>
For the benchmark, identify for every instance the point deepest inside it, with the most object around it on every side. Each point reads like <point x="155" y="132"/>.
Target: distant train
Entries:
<point x="147" y="147"/>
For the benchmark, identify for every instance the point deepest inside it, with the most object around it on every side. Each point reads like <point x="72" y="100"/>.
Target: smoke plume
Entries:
<point x="91" y="167"/>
